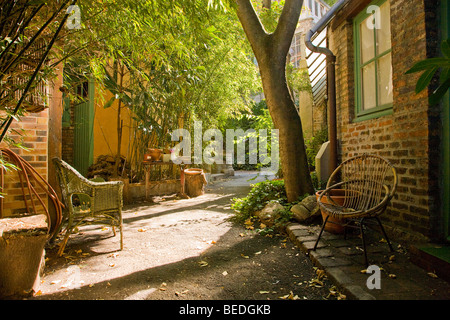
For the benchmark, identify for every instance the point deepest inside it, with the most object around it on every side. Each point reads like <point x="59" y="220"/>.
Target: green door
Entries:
<point x="83" y="144"/>
<point x="445" y="14"/>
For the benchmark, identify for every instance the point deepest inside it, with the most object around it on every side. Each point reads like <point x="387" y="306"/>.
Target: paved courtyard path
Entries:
<point x="183" y="249"/>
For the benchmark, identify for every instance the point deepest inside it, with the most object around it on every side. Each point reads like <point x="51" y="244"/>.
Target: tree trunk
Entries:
<point x="119" y="125"/>
<point x="293" y="157"/>
<point x="271" y="51"/>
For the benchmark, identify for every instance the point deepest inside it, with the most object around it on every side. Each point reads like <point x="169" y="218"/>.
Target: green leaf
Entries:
<point x="429" y="64"/>
<point x="445" y="74"/>
<point x="445" y="48"/>
<point x="437" y="95"/>
<point x="425" y="79"/>
<point x="110" y="102"/>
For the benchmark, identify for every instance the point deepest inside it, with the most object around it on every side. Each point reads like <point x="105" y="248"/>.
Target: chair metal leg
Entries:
<point x="320" y="234"/>
<point x="361" y="226"/>
<point x="345" y="232"/>
<point x="384" y="234"/>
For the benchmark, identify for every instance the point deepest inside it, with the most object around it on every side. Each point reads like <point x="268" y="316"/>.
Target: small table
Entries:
<point x="149" y="164"/>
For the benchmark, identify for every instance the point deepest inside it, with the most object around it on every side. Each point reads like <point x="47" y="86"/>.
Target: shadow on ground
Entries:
<point x="182" y="249"/>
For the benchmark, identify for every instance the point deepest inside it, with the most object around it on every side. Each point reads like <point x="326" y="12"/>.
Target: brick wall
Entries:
<point x="410" y="136"/>
<point x="34" y="135"/>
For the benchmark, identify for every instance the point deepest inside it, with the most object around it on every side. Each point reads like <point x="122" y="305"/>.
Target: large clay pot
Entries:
<point x="195" y="182"/>
<point x="22" y="242"/>
<point x="338" y="196"/>
<point x="155" y="154"/>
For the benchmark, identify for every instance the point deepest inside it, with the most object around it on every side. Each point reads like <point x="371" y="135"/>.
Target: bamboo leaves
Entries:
<point x="429" y="68"/>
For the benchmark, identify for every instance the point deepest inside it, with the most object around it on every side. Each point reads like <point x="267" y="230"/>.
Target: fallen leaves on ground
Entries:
<point x="202" y="263"/>
<point x="318" y="281"/>
<point x="179" y="294"/>
<point x="163" y="286"/>
<point x="291" y="296"/>
<point x="334" y="292"/>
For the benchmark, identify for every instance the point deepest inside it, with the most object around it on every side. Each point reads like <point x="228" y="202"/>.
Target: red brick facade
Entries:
<point x="35" y="138"/>
<point x="409" y="137"/>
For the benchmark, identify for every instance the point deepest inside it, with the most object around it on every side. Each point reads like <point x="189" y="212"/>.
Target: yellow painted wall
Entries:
<point x="105" y="125"/>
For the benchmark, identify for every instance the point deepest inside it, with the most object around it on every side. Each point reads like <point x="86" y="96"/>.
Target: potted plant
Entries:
<point x="334" y="225"/>
<point x="155" y="153"/>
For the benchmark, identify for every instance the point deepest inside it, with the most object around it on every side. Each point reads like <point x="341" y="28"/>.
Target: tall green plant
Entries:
<point x="430" y="67"/>
<point x="186" y="60"/>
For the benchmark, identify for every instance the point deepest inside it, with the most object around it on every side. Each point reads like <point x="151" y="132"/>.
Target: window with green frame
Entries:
<point x="373" y="61"/>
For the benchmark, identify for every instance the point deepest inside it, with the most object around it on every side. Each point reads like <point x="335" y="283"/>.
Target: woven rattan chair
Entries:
<point x="369" y="183"/>
<point x="87" y="202"/>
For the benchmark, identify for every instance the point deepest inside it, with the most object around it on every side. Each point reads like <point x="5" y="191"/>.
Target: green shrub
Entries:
<point x="260" y="194"/>
<point x="313" y="146"/>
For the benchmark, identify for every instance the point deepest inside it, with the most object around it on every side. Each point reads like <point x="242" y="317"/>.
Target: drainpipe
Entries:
<point x="331" y="78"/>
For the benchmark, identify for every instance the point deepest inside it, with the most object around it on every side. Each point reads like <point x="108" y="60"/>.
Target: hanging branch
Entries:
<point x="6" y="124"/>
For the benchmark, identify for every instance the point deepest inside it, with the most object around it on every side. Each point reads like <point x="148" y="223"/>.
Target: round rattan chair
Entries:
<point x="368" y="182"/>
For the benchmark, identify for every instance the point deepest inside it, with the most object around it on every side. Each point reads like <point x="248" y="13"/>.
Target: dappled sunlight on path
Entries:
<point x="157" y="236"/>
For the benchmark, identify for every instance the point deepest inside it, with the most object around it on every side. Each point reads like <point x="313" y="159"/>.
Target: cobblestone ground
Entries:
<point x="176" y="249"/>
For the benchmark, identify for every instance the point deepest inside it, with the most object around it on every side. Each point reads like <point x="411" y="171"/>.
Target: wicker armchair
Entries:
<point x="98" y="202"/>
<point x="369" y="183"/>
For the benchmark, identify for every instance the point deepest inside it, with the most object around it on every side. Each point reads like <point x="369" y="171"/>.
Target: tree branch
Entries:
<point x="253" y="27"/>
<point x="286" y="26"/>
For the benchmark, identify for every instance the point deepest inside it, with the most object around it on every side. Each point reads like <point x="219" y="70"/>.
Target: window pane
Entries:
<point x="384" y="28"/>
<point x="367" y="40"/>
<point x="368" y="87"/>
<point x="385" y="89"/>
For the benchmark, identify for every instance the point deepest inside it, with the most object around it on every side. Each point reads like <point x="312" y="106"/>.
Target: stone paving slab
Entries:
<point x="343" y="261"/>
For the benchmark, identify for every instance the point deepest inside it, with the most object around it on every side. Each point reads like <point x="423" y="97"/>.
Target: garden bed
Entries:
<point x="133" y="192"/>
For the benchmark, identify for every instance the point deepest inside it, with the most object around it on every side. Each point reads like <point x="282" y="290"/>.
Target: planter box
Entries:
<point x="22" y="243"/>
<point x="136" y="191"/>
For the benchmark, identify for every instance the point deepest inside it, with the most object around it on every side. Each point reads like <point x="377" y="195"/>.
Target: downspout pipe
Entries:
<point x="331" y="78"/>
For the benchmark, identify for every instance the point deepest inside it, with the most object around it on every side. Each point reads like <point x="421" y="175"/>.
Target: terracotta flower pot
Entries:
<point x="338" y="196"/>
<point x="155" y="154"/>
<point x="147" y="157"/>
<point x="195" y="182"/>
